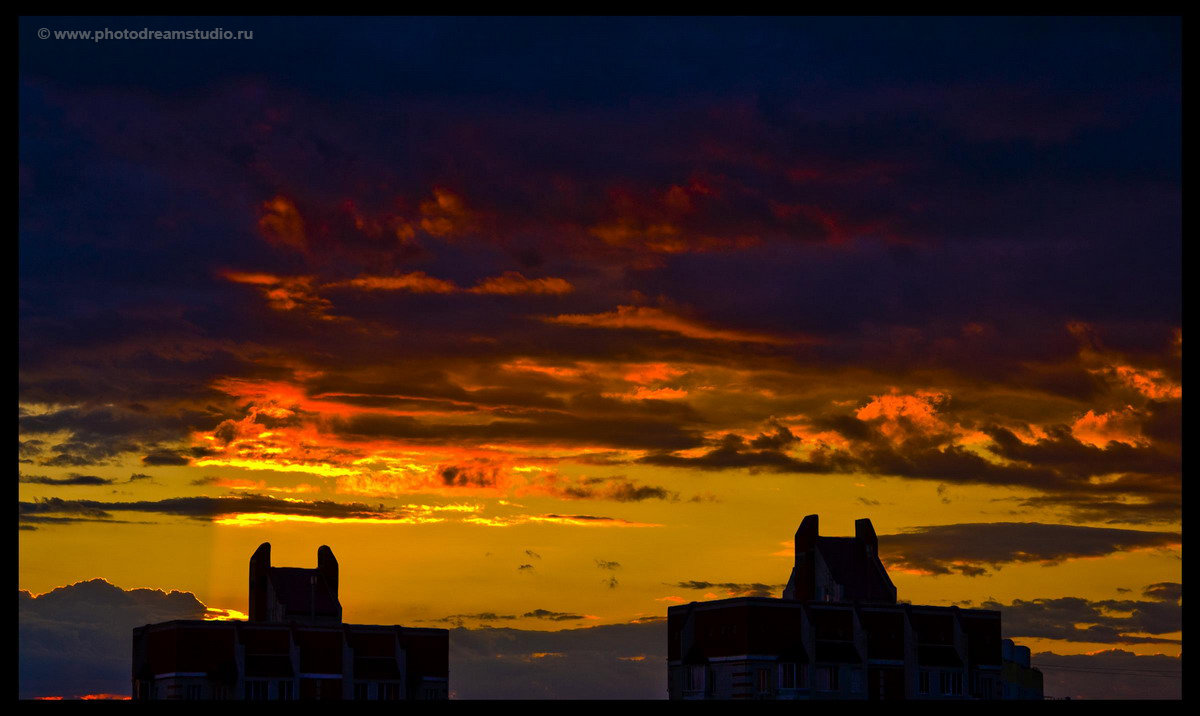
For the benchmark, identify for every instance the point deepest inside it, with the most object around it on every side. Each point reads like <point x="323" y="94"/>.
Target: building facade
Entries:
<point x="838" y="633"/>
<point x="294" y="646"/>
<point x="1021" y="680"/>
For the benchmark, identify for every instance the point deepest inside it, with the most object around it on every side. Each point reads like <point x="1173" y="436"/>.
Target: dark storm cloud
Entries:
<point x="761" y="135"/>
<point x="97" y="435"/>
<point x="533" y="427"/>
<point x="29" y="448"/>
<point x="1165" y="421"/>
<point x="619" y="489"/>
<point x="586" y="518"/>
<point x="733" y="453"/>
<point x="1110" y="621"/>
<point x="553" y="616"/>
<point x="1113" y="674"/>
<point x="948" y="463"/>
<point x="1150" y="508"/>
<point x="545" y="614"/>
<point x="972" y="549"/>
<point x="736" y="589"/>
<point x="1059" y="465"/>
<point x="165" y="457"/>
<point x="1061" y="451"/>
<point x="458" y="619"/>
<point x="57" y="505"/>
<point x="75" y="640"/>
<point x="1164" y="591"/>
<point x="473" y="476"/>
<point x="571" y="664"/>
<point x="205" y="508"/>
<point x="29" y="523"/>
<point x="916" y="458"/>
<point x="73" y="479"/>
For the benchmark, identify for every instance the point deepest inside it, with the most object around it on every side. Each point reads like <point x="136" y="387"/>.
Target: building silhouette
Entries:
<point x="1020" y="680"/>
<point x="839" y="633"/>
<point x="293" y="646"/>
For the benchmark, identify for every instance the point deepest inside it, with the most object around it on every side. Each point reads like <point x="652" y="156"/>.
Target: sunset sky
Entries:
<point x="554" y="323"/>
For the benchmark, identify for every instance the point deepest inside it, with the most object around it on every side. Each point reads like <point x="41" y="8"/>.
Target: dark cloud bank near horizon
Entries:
<point x="76" y="640"/>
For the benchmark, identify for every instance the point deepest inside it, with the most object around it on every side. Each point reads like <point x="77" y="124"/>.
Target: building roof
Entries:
<point x="855" y="568"/>
<point x="303" y="591"/>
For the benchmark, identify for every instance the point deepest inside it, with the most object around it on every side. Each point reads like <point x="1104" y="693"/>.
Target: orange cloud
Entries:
<point x="650" y="372"/>
<point x="224" y="615"/>
<point x="415" y="282"/>
<point x="643" y="393"/>
<point x="105" y="697"/>
<point x="664" y="223"/>
<point x="256" y="279"/>
<point x="445" y="215"/>
<point x="261" y="485"/>
<point x="1099" y="429"/>
<point x="281" y="224"/>
<point x="900" y="415"/>
<point x="1153" y="384"/>
<point x="284" y="293"/>
<point x="920" y="407"/>
<point x="657" y="319"/>
<point x="524" y="364"/>
<point x="512" y="283"/>
<point x="662" y="237"/>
